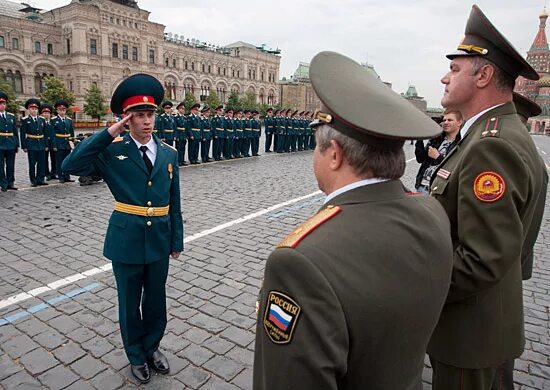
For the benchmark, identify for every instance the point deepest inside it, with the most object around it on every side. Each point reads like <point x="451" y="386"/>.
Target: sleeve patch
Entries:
<point x="280" y="317"/>
<point x="489" y="186"/>
<point x="298" y="234"/>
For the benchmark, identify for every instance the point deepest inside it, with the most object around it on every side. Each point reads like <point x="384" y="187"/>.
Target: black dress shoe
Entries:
<point x="4" y="189"/>
<point x="54" y="177"/>
<point x="33" y="184"/>
<point x="13" y="188"/>
<point x="159" y="362"/>
<point x="185" y="163"/>
<point x="42" y="183"/>
<point x="69" y="180"/>
<point x="141" y="373"/>
<point x="62" y="180"/>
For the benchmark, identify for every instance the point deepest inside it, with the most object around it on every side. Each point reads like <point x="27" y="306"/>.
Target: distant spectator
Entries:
<point x="431" y="155"/>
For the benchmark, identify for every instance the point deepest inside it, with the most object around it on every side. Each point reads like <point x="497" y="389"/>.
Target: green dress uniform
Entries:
<point x="181" y="137"/>
<point x="229" y="130"/>
<point x="218" y="135"/>
<point x="9" y="144"/>
<point x="63" y="134"/>
<point x="194" y="130"/>
<point x="49" y="161"/>
<point x="489" y="185"/>
<point x="256" y="126"/>
<point x="206" y="139"/>
<point x="167" y="125"/>
<point x="269" y="129"/>
<point x="344" y="305"/>
<point x="239" y="135"/>
<point x="146" y="225"/>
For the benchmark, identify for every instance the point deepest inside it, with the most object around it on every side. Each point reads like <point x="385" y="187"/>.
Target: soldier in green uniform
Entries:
<point x="62" y="138"/>
<point x="256" y="126"/>
<point x="229" y="130"/>
<point x="49" y="155"/>
<point x="269" y="129"/>
<point x="488" y="185"/>
<point x="279" y="132"/>
<point x="247" y="134"/>
<point x="34" y="142"/>
<point x="206" y="140"/>
<point x="239" y="133"/>
<point x="166" y="124"/>
<point x="181" y="133"/>
<point x="146" y="226"/>
<point x="339" y="305"/>
<point x="194" y="131"/>
<point x="218" y="134"/>
<point x="9" y="146"/>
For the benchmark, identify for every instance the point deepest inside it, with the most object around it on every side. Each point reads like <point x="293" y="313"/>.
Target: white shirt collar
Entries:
<point x="353" y="186"/>
<point x="471" y="121"/>
<point x="151" y="148"/>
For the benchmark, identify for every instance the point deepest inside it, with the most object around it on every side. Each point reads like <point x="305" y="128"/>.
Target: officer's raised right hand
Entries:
<point x="117" y="128"/>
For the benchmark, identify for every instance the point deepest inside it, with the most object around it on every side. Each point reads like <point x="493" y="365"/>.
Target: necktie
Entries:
<point x="146" y="160"/>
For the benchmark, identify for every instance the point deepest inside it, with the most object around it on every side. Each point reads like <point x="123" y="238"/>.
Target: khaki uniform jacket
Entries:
<point x="368" y="286"/>
<point x="488" y="185"/>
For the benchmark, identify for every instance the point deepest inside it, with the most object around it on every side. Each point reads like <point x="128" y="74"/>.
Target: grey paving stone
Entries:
<point x="208" y="323"/>
<point x="97" y="347"/>
<point x="116" y="359"/>
<point x="18" y="346"/>
<point x="107" y="380"/>
<point x="196" y="354"/>
<point x="88" y="367"/>
<point x="223" y="367"/>
<point x="238" y="336"/>
<point x="196" y="335"/>
<point x="81" y="335"/>
<point x="50" y="339"/>
<point x="218" y="345"/>
<point x="8" y="367"/>
<point x="38" y="361"/>
<point x="244" y="379"/>
<point x="217" y="384"/>
<point x="32" y="326"/>
<point x="69" y="353"/>
<point x="58" y="377"/>
<point x="64" y="324"/>
<point x="80" y="385"/>
<point x="193" y="377"/>
<point x="21" y="381"/>
<point x="173" y="343"/>
<point x="241" y="355"/>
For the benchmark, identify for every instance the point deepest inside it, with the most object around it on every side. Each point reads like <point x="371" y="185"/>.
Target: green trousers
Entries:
<point x="446" y="377"/>
<point x="142" y="307"/>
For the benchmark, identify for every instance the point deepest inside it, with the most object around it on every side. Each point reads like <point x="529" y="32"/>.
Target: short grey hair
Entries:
<point x="503" y="81"/>
<point x="368" y="161"/>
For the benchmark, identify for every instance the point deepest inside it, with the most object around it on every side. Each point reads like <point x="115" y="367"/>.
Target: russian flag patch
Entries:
<point x="280" y="317"/>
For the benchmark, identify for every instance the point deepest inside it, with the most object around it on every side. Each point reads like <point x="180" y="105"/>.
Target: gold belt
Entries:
<point x="7" y="134"/>
<point x="219" y="128"/>
<point x="195" y="129"/>
<point x="229" y="131"/>
<point x="168" y="131"/>
<point x="239" y="130"/>
<point x="248" y="128"/>
<point x="142" y="211"/>
<point x="206" y="131"/>
<point x="181" y="128"/>
<point x="62" y="135"/>
<point x="35" y="136"/>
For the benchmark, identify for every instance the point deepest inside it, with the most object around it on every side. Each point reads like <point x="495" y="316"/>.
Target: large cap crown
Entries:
<point x="481" y="38"/>
<point x="525" y="106"/>
<point x="361" y="106"/>
<point x="138" y="92"/>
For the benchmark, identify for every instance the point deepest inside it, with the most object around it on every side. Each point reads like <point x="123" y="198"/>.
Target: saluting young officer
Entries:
<point x="34" y="142"/>
<point x="146" y="226"/>
<point x="9" y="146"/>
<point x="344" y="305"/>
<point x="488" y="184"/>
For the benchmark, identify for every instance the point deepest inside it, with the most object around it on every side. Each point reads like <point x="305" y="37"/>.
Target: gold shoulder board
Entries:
<point x="170" y="146"/>
<point x="117" y="139"/>
<point x="292" y="240"/>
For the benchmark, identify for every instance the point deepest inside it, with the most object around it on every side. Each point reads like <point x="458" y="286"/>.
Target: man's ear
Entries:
<point x="336" y="154"/>
<point x="485" y="75"/>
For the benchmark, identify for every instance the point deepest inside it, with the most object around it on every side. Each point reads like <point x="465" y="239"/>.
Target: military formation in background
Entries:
<point x="229" y="133"/>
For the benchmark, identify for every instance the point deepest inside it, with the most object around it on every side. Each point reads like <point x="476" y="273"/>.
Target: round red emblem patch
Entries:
<point x="489" y="186"/>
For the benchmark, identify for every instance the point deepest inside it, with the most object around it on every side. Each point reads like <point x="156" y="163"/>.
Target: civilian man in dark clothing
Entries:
<point x="436" y="149"/>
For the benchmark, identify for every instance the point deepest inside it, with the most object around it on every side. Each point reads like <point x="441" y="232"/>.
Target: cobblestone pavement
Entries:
<point x="66" y="335"/>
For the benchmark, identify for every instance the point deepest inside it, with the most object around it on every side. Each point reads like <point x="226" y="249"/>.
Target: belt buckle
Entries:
<point x="150" y="211"/>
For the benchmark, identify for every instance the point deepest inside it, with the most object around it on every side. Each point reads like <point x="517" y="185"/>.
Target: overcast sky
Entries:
<point x="405" y="40"/>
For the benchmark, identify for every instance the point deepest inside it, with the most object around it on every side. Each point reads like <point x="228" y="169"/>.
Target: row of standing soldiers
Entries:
<point x="45" y="139"/>
<point x="231" y="133"/>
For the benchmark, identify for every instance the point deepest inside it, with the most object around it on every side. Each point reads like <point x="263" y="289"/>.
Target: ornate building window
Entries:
<point x="134" y="53"/>
<point x="188" y="88"/>
<point x="68" y="46"/>
<point x="37" y="47"/>
<point x="166" y="62"/>
<point x="151" y="56"/>
<point x="124" y="52"/>
<point x="15" y="43"/>
<point x="271" y="98"/>
<point x="2" y="41"/>
<point x="50" y="48"/>
<point x="205" y="92"/>
<point x="185" y="65"/>
<point x="93" y="46"/>
<point x="209" y="69"/>
<point x="173" y="63"/>
<point x="170" y="87"/>
<point x="114" y="53"/>
<point x="221" y="92"/>
<point x="192" y="66"/>
<point x="202" y="67"/>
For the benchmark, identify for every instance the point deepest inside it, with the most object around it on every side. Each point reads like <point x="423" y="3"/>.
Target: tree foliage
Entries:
<point x="249" y="101"/>
<point x="94" y="105"/>
<point x="212" y="101"/>
<point x="13" y="103"/>
<point x="189" y="100"/>
<point x="54" y="89"/>
<point x="233" y="100"/>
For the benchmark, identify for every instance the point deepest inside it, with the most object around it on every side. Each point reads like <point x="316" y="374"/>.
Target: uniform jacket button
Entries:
<point x="149" y="223"/>
<point x="149" y="183"/>
<point x="149" y="203"/>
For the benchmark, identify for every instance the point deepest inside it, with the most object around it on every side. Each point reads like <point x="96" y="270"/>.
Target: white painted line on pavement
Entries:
<point x="107" y="267"/>
<point x="543" y="152"/>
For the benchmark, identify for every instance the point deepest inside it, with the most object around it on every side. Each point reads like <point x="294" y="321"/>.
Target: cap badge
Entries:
<point x="145" y="99"/>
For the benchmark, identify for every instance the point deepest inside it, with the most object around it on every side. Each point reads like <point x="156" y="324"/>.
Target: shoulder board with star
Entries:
<point x="25" y="118"/>
<point x="9" y="114"/>
<point x="492" y="127"/>
<point x="170" y="146"/>
<point x="294" y="238"/>
<point x="68" y="118"/>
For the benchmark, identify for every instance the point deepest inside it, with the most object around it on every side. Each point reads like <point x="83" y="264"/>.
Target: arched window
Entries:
<point x="15" y="43"/>
<point x="271" y="98"/>
<point x="205" y="92"/>
<point x="221" y="92"/>
<point x="37" y="47"/>
<point x="50" y="48"/>
<point x="18" y="82"/>
<point x="10" y="79"/>
<point x="2" y="41"/>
